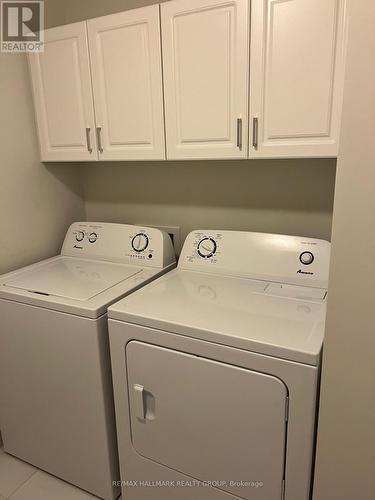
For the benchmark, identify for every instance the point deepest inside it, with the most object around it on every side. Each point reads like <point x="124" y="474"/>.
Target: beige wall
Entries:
<point x="284" y="197"/>
<point x="346" y="444"/>
<point x="36" y="202"/>
<point x="71" y="11"/>
<point x="54" y="12"/>
<point x="293" y="197"/>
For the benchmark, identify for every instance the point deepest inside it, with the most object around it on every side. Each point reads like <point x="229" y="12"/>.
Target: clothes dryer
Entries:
<point x="216" y="370"/>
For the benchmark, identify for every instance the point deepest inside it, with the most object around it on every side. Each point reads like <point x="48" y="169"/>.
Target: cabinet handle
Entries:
<point x="99" y="139"/>
<point x="255" y="132"/>
<point x="239" y="133"/>
<point x="88" y="140"/>
<point x="139" y="402"/>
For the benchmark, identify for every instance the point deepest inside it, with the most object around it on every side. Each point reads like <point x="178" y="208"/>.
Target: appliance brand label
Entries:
<point x="304" y="272"/>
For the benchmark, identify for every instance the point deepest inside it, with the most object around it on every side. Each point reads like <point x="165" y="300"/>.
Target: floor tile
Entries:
<point x="13" y="473"/>
<point x="42" y="486"/>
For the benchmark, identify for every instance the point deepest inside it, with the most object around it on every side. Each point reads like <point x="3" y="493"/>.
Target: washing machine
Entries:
<point x="56" y="397"/>
<point x="216" y="370"/>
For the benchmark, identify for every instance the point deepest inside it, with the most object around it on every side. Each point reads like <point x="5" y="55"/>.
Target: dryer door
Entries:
<point x="209" y="420"/>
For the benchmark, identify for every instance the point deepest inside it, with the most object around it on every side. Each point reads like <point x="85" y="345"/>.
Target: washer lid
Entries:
<point x="72" y="278"/>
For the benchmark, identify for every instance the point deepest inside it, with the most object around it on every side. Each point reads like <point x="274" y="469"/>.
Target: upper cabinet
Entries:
<point x="194" y="79"/>
<point x="297" y="73"/>
<point x="127" y="84"/>
<point x="62" y="95"/>
<point x="124" y="88"/>
<point x="205" y="62"/>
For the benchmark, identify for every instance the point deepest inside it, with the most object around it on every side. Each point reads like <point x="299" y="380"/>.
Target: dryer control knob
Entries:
<point x="139" y="242"/>
<point x="306" y="258"/>
<point x="207" y="248"/>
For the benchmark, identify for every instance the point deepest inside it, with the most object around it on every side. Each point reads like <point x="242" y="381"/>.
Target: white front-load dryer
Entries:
<point x="216" y="370"/>
<point x="56" y="398"/>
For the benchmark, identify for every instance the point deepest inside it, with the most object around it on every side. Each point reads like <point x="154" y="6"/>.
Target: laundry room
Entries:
<point x="186" y="250"/>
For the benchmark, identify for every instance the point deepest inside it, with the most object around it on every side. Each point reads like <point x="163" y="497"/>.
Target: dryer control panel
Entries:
<point x="122" y="243"/>
<point x="271" y="257"/>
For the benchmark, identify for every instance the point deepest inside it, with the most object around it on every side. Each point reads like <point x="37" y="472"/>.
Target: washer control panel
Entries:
<point x="80" y="236"/>
<point x="140" y="242"/>
<point x="92" y="237"/>
<point x="84" y="234"/>
<point x="141" y="245"/>
<point x="119" y="243"/>
<point x="272" y="257"/>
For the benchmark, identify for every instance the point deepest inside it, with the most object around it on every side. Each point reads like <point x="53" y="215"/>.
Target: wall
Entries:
<point x="293" y="197"/>
<point x="71" y="11"/>
<point x="346" y="444"/>
<point x="54" y="12"/>
<point x="37" y="203"/>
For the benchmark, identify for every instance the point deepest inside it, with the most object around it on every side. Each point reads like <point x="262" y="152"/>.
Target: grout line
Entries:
<point x="36" y="470"/>
<point x="23" y="483"/>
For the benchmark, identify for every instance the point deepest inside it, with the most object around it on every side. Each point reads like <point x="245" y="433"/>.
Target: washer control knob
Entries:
<point x="93" y="237"/>
<point x="207" y="248"/>
<point x="306" y="258"/>
<point x="80" y="235"/>
<point x="139" y="242"/>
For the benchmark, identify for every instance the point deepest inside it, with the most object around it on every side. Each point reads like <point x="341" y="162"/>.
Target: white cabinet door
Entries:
<point x="297" y="72"/>
<point x="208" y="420"/>
<point x="62" y="95"/>
<point x="127" y="83"/>
<point x="205" y="62"/>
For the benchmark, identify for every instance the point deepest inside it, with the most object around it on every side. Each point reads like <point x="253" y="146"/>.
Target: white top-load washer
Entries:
<point x="56" y="400"/>
<point x="216" y="370"/>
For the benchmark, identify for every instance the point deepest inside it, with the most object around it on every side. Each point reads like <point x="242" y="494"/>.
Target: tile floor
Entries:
<point x="21" y="481"/>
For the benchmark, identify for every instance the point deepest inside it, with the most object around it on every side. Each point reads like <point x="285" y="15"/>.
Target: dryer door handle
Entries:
<point x="139" y="402"/>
